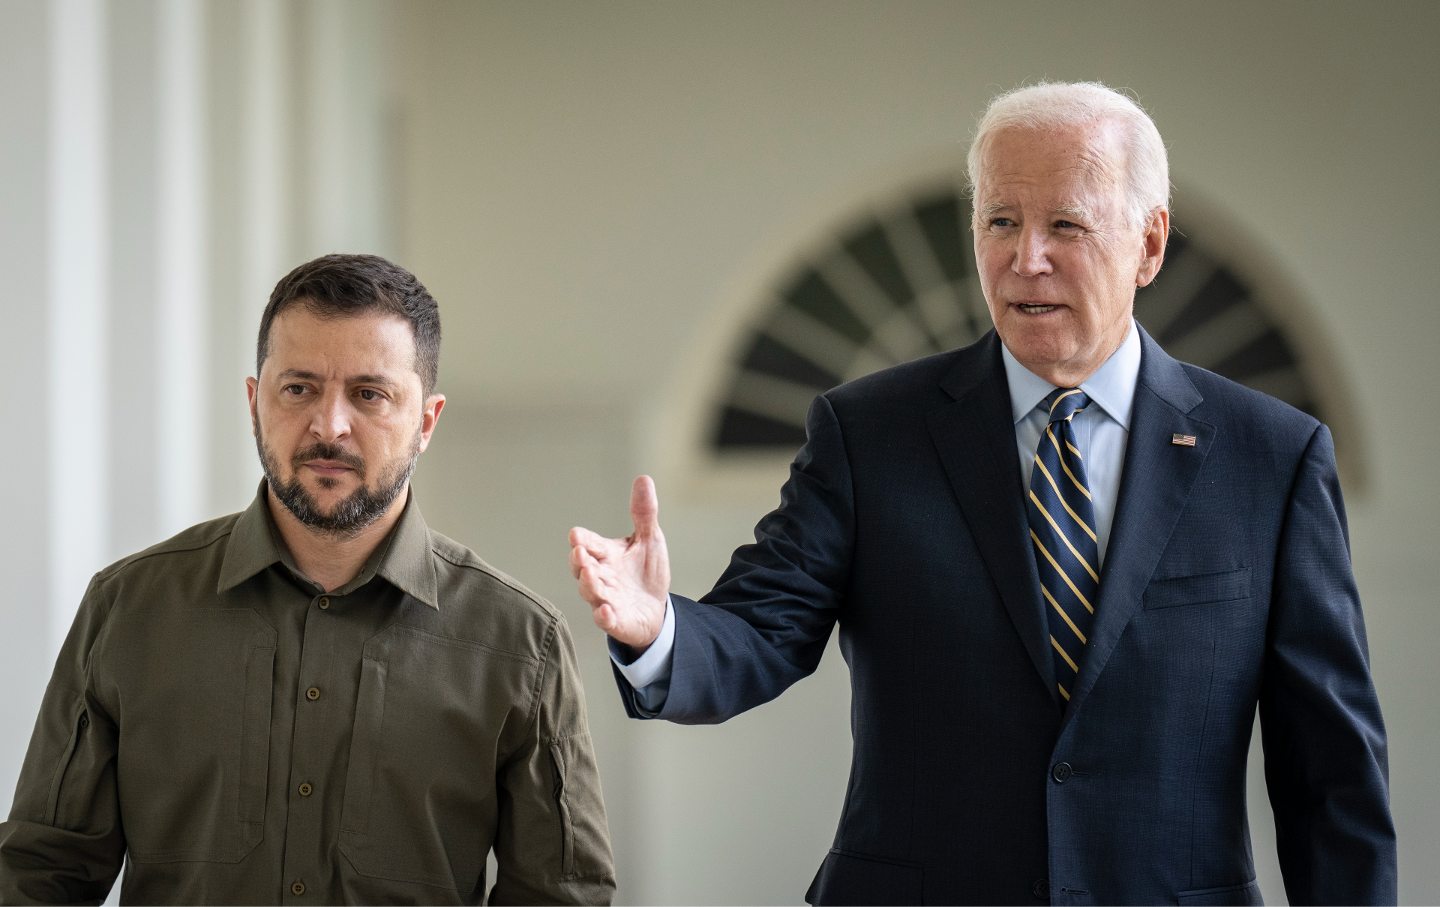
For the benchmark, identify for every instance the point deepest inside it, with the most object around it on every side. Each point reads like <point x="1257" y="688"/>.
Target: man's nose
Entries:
<point x="1032" y="253"/>
<point x="330" y="420"/>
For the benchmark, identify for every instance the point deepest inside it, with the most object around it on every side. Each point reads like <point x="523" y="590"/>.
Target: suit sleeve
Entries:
<point x="63" y="842"/>
<point x="1324" y="739"/>
<point x="552" y="845"/>
<point x="765" y="624"/>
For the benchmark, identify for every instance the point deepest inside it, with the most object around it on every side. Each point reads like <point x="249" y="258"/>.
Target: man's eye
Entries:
<point x="293" y="390"/>
<point x="1001" y="222"/>
<point x="369" y="395"/>
<point x="1066" y="225"/>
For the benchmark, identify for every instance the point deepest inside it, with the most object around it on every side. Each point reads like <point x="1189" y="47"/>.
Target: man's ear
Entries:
<point x="1157" y="232"/>
<point x="429" y="417"/>
<point x="252" y="392"/>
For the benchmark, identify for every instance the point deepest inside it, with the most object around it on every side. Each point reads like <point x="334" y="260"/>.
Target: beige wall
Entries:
<point x="598" y="194"/>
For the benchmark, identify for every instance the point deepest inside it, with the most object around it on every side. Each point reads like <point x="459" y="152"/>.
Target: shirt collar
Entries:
<point x="404" y="558"/>
<point x="1112" y="387"/>
<point x="409" y="564"/>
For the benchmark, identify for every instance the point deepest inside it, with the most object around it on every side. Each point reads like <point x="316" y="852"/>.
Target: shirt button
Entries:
<point x="1041" y="889"/>
<point x="1062" y="772"/>
<point x="298" y="888"/>
<point x="324" y="605"/>
<point x="312" y="694"/>
<point x="306" y="789"/>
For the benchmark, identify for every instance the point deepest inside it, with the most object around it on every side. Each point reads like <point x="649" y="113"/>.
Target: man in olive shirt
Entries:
<point x="317" y="700"/>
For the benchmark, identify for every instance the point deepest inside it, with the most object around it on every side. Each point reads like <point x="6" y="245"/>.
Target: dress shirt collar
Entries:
<point x="404" y="558"/>
<point x="1112" y="387"/>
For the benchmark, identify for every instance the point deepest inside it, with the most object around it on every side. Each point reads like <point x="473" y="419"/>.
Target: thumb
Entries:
<point x="644" y="507"/>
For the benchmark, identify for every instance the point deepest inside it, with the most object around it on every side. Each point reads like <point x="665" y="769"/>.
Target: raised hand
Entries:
<point x="626" y="581"/>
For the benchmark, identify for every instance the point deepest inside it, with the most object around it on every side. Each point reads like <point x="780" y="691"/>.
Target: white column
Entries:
<point x="151" y="156"/>
<point x="78" y="263"/>
<point x="179" y="254"/>
<point x="267" y="217"/>
<point x="348" y="137"/>
<point x="26" y="408"/>
<point x="251" y="219"/>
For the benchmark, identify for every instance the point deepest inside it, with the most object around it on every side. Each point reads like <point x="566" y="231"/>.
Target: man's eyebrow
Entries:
<point x="381" y="380"/>
<point x="1077" y="211"/>
<point x="296" y="374"/>
<point x="301" y="374"/>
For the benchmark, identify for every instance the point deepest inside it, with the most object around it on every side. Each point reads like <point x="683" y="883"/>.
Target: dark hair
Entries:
<point x="338" y="286"/>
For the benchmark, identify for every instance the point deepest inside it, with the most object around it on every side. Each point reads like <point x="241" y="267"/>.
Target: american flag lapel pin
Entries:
<point x="1183" y="440"/>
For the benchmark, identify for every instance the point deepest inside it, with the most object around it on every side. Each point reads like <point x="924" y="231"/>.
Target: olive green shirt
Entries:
<point x="242" y="736"/>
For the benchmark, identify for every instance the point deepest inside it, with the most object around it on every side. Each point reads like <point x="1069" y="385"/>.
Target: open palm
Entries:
<point x="626" y="581"/>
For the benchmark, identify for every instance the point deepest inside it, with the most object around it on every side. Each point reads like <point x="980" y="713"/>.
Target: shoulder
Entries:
<point x="198" y="549"/>
<point x="1230" y="404"/>
<point x="480" y="602"/>
<point x="466" y="574"/>
<point x="1254" y="435"/>
<point x="184" y="567"/>
<point x="913" y="388"/>
<point x="899" y="380"/>
<point x="1217" y="400"/>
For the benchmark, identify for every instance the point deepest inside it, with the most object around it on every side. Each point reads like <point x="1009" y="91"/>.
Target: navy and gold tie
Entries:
<point x="1062" y="530"/>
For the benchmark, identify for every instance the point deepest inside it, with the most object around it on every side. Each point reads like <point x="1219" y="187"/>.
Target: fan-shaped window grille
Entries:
<point x="899" y="283"/>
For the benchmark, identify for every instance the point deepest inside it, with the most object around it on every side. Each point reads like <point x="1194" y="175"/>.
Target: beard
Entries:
<point x="353" y="513"/>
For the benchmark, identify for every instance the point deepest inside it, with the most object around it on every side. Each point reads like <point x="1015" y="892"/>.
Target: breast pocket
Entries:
<point x="194" y="733"/>
<point x="1198" y="589"/>
<point x="420" y="792"/>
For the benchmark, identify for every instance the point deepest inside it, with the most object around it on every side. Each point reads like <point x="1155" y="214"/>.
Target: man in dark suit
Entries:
<point x="1066" y="568"/>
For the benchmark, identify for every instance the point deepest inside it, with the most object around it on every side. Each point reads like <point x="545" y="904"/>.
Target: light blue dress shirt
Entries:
<point x="1102" y="431"/>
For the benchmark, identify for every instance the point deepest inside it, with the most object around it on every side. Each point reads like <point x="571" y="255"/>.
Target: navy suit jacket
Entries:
<point x="1226" y="584"/>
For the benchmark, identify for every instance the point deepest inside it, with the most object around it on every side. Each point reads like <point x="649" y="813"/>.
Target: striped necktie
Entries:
<point x="1062" y="528"/>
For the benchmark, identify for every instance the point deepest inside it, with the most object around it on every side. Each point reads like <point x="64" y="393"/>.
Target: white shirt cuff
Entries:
<point x="654" y="663"/>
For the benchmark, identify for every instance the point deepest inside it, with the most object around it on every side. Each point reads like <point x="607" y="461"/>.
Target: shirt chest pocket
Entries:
<point x="195" y="733"/>
<point x="420" y="791"/>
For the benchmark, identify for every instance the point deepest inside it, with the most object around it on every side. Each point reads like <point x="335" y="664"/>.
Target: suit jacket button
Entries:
<point x="1041" y="889"/>
<point x="1061" y="772"/>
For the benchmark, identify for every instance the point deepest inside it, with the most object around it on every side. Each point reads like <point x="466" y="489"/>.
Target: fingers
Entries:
<point x="604" y="617"/>
<point x="644" y="507"/>
<point x="599" y="588"/>
<point x="594" y="590"/>
<point x="597" y="545"/>
<point x="618" y="578"/>
<point x="578" y="558"/>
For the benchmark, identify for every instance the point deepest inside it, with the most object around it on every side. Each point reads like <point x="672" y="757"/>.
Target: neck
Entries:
<point x="325" y="558"/>
<point x="1073" y="374"/>
<point x="1063" y="377"/>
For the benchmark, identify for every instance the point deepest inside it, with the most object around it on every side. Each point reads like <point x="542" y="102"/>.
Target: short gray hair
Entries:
<point x="1047" y="105"/>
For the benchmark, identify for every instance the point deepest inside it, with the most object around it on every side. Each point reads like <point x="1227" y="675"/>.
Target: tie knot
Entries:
<point x="1065" y="402"/>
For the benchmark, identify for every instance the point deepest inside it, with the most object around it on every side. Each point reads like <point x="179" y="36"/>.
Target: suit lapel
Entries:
<point x="1157" y="480"/>
<point x="975" y="438"/>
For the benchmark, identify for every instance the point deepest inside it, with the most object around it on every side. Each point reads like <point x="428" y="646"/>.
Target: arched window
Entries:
<point x="896" y="281"/>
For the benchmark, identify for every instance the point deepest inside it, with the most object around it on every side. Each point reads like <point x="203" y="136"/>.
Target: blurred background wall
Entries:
<point x="607" y="199"/>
